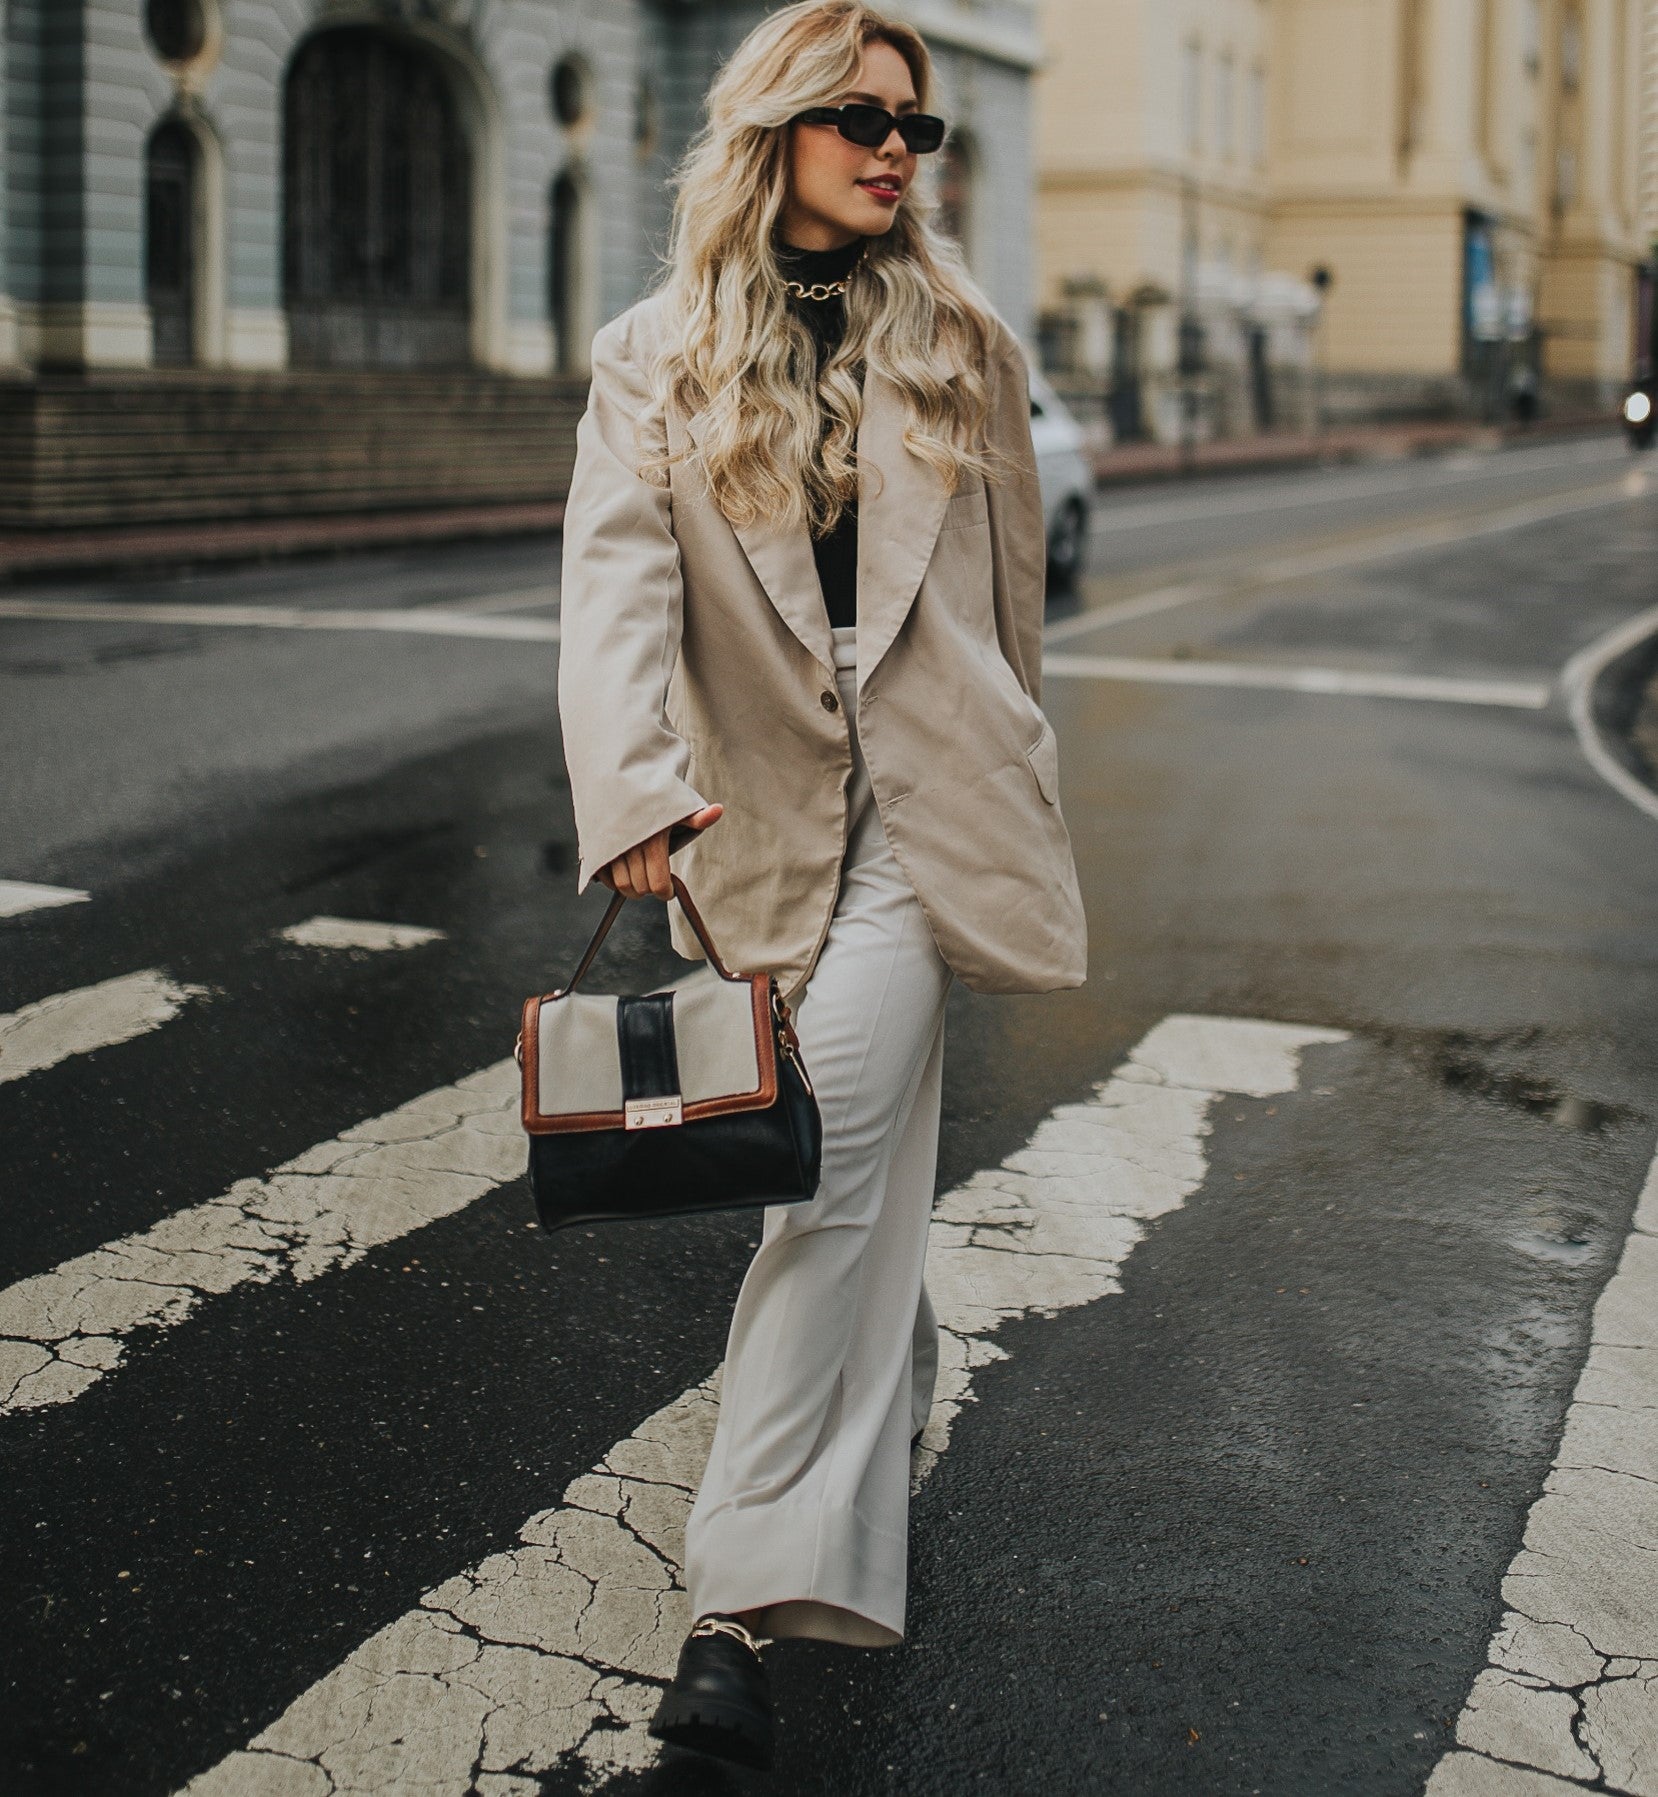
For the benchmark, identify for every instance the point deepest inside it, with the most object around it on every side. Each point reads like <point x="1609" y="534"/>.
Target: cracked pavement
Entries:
<point x="1236" y="1498"/>
<point x="551" y="1654"/>
<point x="1572" y="1689"/>
<point x="63" y="1331"/>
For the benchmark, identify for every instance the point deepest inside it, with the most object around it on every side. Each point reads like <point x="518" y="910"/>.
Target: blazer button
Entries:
<point x="831" y="702"/>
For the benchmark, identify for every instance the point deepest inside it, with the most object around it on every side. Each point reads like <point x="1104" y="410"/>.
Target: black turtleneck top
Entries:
<point x="837" y="553"/>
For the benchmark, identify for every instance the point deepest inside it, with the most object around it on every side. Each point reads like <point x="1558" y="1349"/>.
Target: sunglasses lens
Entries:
<point x="870" y="126"/>
<point x="867" y="126"/>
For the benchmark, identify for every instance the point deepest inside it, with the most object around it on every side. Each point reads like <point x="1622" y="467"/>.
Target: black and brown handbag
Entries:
<point x="690" y="1098"/>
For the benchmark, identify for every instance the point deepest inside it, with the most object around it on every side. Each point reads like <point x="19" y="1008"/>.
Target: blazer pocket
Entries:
<point x="1043" y="756"/>
<point x="965" y="509"/>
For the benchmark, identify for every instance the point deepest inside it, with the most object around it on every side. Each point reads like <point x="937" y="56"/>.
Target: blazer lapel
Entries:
<point x="783" y="563"/>
<point x="901" y="503"/>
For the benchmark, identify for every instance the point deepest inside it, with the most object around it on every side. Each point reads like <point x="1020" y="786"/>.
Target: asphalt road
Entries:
<point x="1233" y="1517"/>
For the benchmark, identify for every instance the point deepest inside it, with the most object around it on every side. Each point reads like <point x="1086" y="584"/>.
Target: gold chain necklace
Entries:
<point x="823" y="290"/>
<point x="819" y="290"/>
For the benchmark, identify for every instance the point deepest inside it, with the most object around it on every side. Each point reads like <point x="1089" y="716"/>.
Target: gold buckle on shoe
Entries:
<point x="725" y="1625"/>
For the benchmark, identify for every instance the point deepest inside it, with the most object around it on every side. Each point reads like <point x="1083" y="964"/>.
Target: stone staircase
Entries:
<point x="103" y="450"/>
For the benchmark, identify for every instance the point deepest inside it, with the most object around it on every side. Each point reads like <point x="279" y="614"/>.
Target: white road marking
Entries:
<point x="1143" y="605"/>
<point x="89" y="1018"/>
<point x="1523" y="695"/>
<point x="528" y="599"/>
<point x="430" y="621"/>
<point x="62" y="1331"/>
<point x="560" y="1644"/>
<point x="1571" y="1693"/>
<point x="18" y="896"/>
<point x="1337" y="557"/>
<point x="347" y="932"/>
<point x="1577" y="682"/>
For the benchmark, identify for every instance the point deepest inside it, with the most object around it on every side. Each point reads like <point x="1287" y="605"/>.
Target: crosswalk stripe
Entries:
<point x="351" y="932"/>
<point x="20" y="896"/>
<point x="63" y="1331"/>
<point x="1571" y="1691"/>
<point x="559" y="1645"/>
<point x="91" y="1017"/>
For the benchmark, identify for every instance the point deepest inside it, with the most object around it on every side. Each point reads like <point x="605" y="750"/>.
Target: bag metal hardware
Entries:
<point x="653" y="1113"/>
<point x="788" y="1040"/>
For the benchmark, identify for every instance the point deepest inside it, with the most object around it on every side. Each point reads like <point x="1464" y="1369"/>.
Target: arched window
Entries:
<point x="377" y="207"/>
<point x="171" y="188"/>
<point x="177" y="28"/>
<point x="564" y="272"/>
<point x="572" y="92"/>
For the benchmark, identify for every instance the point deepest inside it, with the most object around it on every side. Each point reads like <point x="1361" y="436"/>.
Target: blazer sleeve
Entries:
<point x="1018" y="527"/>
<point x="621" y="619"/>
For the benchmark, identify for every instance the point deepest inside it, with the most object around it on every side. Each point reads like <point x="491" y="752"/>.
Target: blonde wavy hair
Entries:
<point x="779" y="444"/>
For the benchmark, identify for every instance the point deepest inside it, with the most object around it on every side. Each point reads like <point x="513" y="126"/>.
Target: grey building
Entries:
<point x="214" y="209"/>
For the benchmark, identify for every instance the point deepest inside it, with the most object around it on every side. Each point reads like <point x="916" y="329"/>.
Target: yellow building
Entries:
<point x="1369" y="206"/>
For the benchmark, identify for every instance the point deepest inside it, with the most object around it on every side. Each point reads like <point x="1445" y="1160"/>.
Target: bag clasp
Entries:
<point x="653" y="1113"/>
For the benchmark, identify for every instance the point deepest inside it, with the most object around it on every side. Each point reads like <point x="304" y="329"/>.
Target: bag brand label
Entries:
<point x="653" y="1113"/>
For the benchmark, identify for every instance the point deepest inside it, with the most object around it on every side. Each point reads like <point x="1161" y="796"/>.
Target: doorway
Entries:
<point x="377" y="207"/>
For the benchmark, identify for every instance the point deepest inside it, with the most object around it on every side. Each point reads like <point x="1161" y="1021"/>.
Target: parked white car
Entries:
<point x="1067" y="476"/>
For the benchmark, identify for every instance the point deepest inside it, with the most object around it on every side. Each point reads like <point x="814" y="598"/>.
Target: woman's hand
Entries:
<point x="643" y="871"/>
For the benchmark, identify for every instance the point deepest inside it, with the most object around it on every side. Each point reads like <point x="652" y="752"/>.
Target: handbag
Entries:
<point x="690" y="1098"/>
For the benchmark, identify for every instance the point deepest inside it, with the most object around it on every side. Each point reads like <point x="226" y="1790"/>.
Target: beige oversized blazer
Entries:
<point x="696" y="666"/>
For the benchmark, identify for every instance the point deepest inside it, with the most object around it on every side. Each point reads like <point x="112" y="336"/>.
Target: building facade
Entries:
<point x="384" y="189"/>
<point x="1361" y="207"/>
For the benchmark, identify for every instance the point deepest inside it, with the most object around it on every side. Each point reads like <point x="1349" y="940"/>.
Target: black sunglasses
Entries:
<point x="871" y="126"/>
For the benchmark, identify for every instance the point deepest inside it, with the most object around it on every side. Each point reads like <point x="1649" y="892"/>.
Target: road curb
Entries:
<point x="1134" y="465"/>
<point x="154" y="548"/>
<point x="1611" y="692"/>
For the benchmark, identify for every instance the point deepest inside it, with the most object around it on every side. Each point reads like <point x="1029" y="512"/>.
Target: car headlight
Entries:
<point x="1637" y="409"/>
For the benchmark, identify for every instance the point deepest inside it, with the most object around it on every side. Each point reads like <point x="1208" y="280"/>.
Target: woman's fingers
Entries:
<point x="658" y="877"/>
<point x="644" y="870"/>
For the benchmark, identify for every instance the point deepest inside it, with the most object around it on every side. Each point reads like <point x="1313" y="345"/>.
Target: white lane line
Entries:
<point x="1523" y="695"/>
<point x="559" y="1645"/>
<point x="89" y="1018"/>
<point x="1577" y="681"/>
<point x="1342" y="556"/>
<point x="347" y="932"/>
<point x="433" y="621"/>
<point x="18" y="896"/>
<point x="1144" y="605"/>
<point x="1571" y="1693"/>
<point x="62" y="1331"/>
<point x="527" y="599"/>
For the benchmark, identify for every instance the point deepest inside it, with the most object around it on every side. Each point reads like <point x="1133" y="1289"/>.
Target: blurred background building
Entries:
<point x="287" y="256"/>
<point x="1259" y="213"/>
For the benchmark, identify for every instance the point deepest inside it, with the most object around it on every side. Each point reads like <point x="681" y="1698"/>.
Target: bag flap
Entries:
<point x="722" y="1035"/>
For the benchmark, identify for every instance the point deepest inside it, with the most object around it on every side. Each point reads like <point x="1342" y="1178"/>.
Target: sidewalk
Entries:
<point x="1130" y="463"/>
<point x="34" y="552"/>
<point x="25" y="552"/>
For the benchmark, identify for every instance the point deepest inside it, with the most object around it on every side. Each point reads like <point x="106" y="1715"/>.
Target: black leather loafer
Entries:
<point x="720" y="1700"/>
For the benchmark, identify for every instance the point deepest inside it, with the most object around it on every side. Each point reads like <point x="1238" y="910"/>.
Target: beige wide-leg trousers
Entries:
<point x="803" y="1511"/>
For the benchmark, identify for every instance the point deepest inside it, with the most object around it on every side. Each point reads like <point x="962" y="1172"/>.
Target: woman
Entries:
<point x="802" y="613"/>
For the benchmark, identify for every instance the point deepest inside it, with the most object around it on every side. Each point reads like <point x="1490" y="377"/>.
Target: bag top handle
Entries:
<point x="693" y="917"/>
